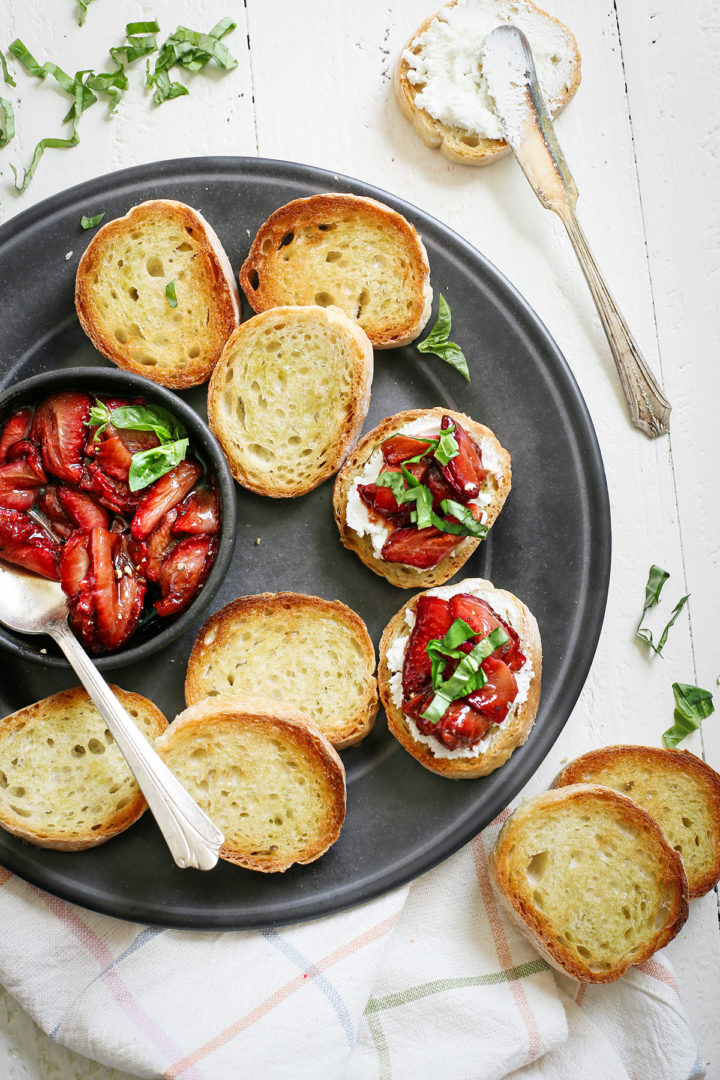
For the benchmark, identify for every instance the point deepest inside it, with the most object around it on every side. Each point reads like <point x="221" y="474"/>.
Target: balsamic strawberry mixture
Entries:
<point x="67" y="513"/>
<point x="467" y="720"/>
<point x="459" y="480"/>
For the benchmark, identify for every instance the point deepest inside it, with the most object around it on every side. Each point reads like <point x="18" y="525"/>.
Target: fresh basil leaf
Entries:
<point x="193" y="51"/>
<point x="112" y="83"/>
<point x="7" y="121"/>
<point x="99" y="418"/>
<point x="148" y="418"/>
<point x="91" y="222"/>
<point x="83" y="5"/>
<point x="447" y="447"/>
<point x="21" y="52"/>
<point x="467" y="677"/>
<point x="692" y="706"/>
<point x="141" y="41"/>
<point x="7" y="77"/>
<point x="656" y="579"/>
<point x="437" y="341"/>
<point x="471" y="527"/>
<point x="149" y="465"/>
<point x="395" y="482"/>
<point x="170" y="293"/>
<point x="440" y="651"/>
<point x="422" y="515"/>
<point x="165" y="90"/>
<point x="134" y="28"/>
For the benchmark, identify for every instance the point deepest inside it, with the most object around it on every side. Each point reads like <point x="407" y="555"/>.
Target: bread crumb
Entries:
<point x="43" y="652"/>
<point x="257" y="541"/>
<point x="68" y="255"/>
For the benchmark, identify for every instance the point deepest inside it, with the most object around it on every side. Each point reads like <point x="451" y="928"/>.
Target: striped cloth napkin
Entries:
<point x="428" y="982"/>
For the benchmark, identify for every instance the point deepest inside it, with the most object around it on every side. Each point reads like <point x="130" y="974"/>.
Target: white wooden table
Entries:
<point x="313" y="85"/>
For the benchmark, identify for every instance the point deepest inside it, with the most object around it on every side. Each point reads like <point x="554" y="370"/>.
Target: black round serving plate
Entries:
<point x="550" y="546"/>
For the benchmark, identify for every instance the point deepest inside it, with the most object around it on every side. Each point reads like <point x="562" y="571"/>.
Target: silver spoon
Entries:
<point x="33" y="605"/>
<point x="507" y="65"/>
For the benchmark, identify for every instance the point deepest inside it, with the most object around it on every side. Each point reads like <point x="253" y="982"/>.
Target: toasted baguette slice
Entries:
<point x="346" y="250"/>
<point x="265" y="775"/>
<point x="680" y="791"/>
<point x="497" y="487"/>
<point x="502" y="739"/>
<point x="590" y="877"/>
<point x="457" y="143"/>
<point x="121" y="299"/>
<point x="289" y="397"/>
<point x="310" y="653"/>
<point x="63" y="782"/>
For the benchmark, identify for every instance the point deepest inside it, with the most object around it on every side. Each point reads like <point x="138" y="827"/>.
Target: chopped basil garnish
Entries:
<point x="146" y="466"/>
<point x="656" y="579"/>
<point x="423" y="515"/>
<point x="692" y="705"/>
<point x="83" y="5"/>
<point x="467" y="677"/>
<point x="7" y="77"/>
<point x="191" y="50"/>
<point x="91" y="222"/>
<point x="440" y="651"/>
<point x="438" y="343"/>
<point x="141" y="41"/>
<point x="7" y="121"/>
<point x="170" y="293"/>
<point x="149" y="465"/>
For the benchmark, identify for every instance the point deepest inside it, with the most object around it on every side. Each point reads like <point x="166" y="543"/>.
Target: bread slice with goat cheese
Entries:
<point x="503" y="738"/>
<point x="64" y="783"/>
<point x="590" y="877"/>
<point x="264" y="773"/>
<point x="440" y="87"/>
<point x="365" y="536"/>
<point x="680" y="790"/>
<point x="310" y="653"/>
<point x="347" y="250"/>
<point x="155" y="293"/>
<point x="289" y="397"/>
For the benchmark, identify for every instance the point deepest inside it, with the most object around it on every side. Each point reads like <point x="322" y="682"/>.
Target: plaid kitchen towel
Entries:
<point x="428" y="982"/>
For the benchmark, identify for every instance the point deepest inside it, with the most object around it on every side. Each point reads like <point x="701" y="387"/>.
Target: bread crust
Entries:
<point x="537" y="927"/>
<point x="457" y="144"/>
<point x="406" y="577"/>
<point x="317" y="210"/>
<point x="588" y="768"/>
<point x="297" y="608"/>
<point x="218" y="284"/>
<point x="354" y="415"/>
<point x="117" y="822"/>
<point x="280" y="722"/>
<point x="513" y="731"/>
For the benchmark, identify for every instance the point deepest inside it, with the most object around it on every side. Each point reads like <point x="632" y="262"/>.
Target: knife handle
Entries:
<point x="649" y="408"/>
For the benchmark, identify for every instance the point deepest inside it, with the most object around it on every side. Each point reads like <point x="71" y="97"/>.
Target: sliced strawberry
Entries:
<point x="18" y="485"/>
<point x="401" y="447"/>
<point x="82" y="509"/>
<point x="422" y="548"/>
<point x="382" y="501"/>
<point x="439" y="487"/>
<point x="49" y="504"/>
<point x="159" y="543"/>
<point x="480" y="616"/>
<point x="27" y="450"/>
<point x="26" y="544"/>
<point x="199" y="514"/>
<point x="164" y="495"/>
<point x="59" y="426"/>
<point x="432" y="620"/>
<point x="113" y="494"/>
<point x="498" y="693"/>
<point x="464" y="472"/>
<point x="182" y="573"/>
<point x="75" y="563"/>
<point x="16" y="428"/>
<point x="112" y="456"/>
<point x="117" y="592"/>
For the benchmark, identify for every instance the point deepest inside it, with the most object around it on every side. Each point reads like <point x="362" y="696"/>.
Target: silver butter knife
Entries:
<point x="508" y="67"/>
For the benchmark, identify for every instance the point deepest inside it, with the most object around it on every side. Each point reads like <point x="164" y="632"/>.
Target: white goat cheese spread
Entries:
<point x="447" y="67"/>
<point x="357" y="516"/>
<point x="505" y="606"/>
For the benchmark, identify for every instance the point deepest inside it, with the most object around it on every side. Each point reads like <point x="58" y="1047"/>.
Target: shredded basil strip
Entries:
<point x="191" y="50"/>
<point x="7" y="121"/>
<point x="692" y="705"/>
<point x="470" y="526"/>
<point x="83" y="5"/>
<point x="467" y="677"/>
<point x="447" y="447"/>
<point x="170" y="293"/>
<point x="437" y="342"/>
<point x="147" y="466"/>
<point x="7" y="77"/>
<point x="440" y="651"/>
<point x="656" y="579"/>
<point x="423" y="515"/>
<point x="91" y="222"/>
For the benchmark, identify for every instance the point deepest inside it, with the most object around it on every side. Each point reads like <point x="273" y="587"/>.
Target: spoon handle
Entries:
<point x="649" y="408"/>
<point x="192" y="837"/>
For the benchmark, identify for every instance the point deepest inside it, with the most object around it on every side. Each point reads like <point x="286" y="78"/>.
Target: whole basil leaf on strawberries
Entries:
<point x="153" y="418"/>
<point x="438" y="343"/>
<point x="149" y="465"/>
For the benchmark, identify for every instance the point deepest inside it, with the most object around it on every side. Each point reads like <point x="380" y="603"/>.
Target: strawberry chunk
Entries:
<point x="59" y="425"/>
<point x="15" y="430"/>
<point x="165" y="494"/>
<point x="158" y="544"/>
<point x="460" y="726"/>
<point x="49" y="504"/>
<point x="18" y="485"/>
<point x="182" y="573"/>
<point x="27" y="450"/>
<point x="480" y="616"/>
<point x="438" y="486"/>
<point x="26" y="544"/>
<point x="401" y="447"/>
<point x="422" y="548"/>
<point x="114" y="494"/>
<point x="494" y="699"/>
<point x="464" y="472"/>
<point x="432" y="620"/>
<point x="199" y="514"/>
<point x="75" y="563"/>
<point x="117" y="592"/>
<point x="111" y="455"/>
<point x="82" y="510"/>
